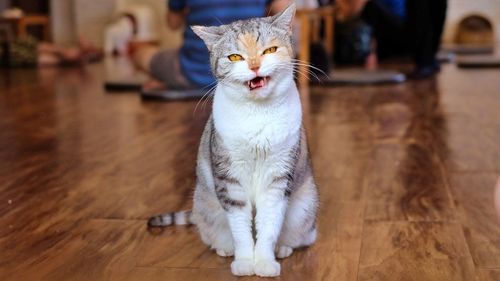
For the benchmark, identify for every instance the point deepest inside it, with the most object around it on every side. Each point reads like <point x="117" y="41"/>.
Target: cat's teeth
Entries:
<point x="257" y="82"/>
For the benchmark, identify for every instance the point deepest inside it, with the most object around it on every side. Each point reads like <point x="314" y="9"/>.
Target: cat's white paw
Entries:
<point x="283" y="252"/>
<point x="224" y="252"/>
<point x="267" y="268"/>
<point x="242" y="267"/>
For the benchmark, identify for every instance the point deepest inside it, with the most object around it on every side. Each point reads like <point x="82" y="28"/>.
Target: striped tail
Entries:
<point x="172" y="218"/>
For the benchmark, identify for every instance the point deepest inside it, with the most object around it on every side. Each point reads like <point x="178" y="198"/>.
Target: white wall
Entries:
<point x="91" y="16"/>
<point x="63" y="25"/>
<point x="457" y="9"/>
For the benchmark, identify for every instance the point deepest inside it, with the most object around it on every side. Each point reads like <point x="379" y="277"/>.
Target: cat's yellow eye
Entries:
<point x="235" y="57"/>
<point x="270" y="50"/>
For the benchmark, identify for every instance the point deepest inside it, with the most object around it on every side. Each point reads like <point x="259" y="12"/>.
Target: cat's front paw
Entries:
<point x="242" y="267"/>
<point x="283" y="252"/>
<point x="225" y="252"/>
<point x="267" y="268"/>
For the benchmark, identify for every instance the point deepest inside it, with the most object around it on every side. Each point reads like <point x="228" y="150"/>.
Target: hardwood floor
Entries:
<point x="406" y="176"/>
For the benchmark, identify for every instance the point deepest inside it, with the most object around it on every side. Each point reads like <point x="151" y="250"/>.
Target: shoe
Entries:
<point x="423" y="72"/>
<point x="437" y="66"/>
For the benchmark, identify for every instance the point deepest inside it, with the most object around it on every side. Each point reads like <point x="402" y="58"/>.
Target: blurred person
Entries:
<point x="189" y="66"/>
<point x="426" y="22"/>
<point x="27" y="51"/>
<point x="402" y="27"/>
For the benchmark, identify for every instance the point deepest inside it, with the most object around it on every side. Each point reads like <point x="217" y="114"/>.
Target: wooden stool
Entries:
<point x="310" y="23"/>
<point x="21" y="24"/>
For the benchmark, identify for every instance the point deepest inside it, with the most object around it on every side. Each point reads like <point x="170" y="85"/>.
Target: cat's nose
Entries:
<point x="255" y="69"/>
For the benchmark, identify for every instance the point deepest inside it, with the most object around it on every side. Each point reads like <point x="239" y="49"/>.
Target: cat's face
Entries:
<point x="251" y="56"/>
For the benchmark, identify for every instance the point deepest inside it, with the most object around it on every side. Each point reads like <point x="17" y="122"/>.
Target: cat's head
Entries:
<point x="252" y="56"/>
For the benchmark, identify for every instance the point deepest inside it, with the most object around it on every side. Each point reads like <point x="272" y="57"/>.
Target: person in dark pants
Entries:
<point x="408" y="27"/>
<point x="389" y="28"/>
<point x="27" y="51"/>
<point x="426" y="21"/>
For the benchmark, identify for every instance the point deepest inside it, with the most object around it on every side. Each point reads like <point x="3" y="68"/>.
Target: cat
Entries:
<point x="253" y="152"/>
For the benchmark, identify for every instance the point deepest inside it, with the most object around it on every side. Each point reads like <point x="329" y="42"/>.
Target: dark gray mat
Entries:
<point x="468" y="49"/>
<point x="170" y="95"/>
<point x="123" y="86"/>
<point x="363" y="77"/>
<point x="479" y="62"/>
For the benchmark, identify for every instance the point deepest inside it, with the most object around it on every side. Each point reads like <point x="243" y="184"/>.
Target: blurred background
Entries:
<point x="90" y="17"/>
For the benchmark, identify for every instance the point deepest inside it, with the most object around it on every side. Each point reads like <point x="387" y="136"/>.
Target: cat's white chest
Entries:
<point x="258" y="142"/>
<point x="258" y="159"/>
<point x="246" y="129"/>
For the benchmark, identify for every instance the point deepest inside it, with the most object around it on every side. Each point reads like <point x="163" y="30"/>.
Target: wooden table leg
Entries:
<point x="329" y="32"/>
<point x="46" y="32"/>
<point x="303" y="76"/>
<point x="21" y="28"/>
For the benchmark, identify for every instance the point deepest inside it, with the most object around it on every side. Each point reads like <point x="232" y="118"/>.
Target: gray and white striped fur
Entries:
<point x="255" y="195"/>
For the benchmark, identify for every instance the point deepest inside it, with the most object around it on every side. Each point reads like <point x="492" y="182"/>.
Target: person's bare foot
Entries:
<point x="371" y="62"/>
<point x="134" y="46"/>
<point x="71" y="55"/>
<point x="153" y="84"/>
<point x="90" y="53"/>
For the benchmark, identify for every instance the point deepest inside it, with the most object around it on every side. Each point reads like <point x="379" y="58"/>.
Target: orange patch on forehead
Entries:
<point x="248" y="42"/>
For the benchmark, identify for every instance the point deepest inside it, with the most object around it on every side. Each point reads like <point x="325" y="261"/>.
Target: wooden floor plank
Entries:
<point x="414" y="251"/>
<point x="468" y="142"/>
<point x="488" y="274"/>
<point x="405" y="183"/>
<point x="175" y="274"/>
<point x="473" y="193"/>
<point x="92" y="250"/>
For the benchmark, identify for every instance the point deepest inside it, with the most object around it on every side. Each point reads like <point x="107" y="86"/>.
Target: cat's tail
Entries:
<point x="172" y="218"/>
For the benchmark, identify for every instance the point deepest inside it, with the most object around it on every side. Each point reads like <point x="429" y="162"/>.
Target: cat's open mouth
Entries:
<point x="257" y="82"/>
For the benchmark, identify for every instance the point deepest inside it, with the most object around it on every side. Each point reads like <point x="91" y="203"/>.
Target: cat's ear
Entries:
<point x="209" y="34"/>
<point x="284" y="19"/>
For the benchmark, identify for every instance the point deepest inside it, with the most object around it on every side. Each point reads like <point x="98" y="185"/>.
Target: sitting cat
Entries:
<point x="253" y="152"/>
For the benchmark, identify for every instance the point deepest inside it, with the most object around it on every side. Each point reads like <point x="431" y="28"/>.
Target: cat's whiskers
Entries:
<point x="296" y="62"/>
<point x="208" y="97"/>
<point x="212" y="87"/>
<point x="304" y="63"/>
<point x="308" y="69"/>
<point x="209" y="94"/>
<point x="307" y="74"/>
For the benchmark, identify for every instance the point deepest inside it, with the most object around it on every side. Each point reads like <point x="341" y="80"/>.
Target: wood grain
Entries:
<point x="473" y="193"/>
<point x="488" y="274"/>
<point x="414" y="251"/>
<point x="405" y="173"/>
